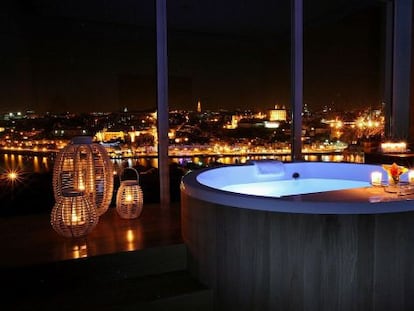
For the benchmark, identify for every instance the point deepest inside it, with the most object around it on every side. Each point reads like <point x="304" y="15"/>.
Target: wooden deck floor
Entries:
<point x="29" y="240"/>
<point x="137" y="264"/>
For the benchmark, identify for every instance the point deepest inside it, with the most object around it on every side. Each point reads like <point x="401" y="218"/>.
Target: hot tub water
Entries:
<point x="288" y="187"/>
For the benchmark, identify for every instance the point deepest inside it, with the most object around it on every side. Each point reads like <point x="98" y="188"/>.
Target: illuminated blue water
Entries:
<point x="281" y="188"/>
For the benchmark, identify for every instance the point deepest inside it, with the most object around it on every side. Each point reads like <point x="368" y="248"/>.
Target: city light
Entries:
<point x="208" y="134"/>
<point x="12" y="176"/>
<point x="391" y="147"/>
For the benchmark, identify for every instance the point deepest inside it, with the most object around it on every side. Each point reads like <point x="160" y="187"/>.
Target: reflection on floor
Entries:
<point x="120" y="264"/>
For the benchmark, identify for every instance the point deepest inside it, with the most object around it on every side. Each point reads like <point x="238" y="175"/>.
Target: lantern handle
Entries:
<point x="129" y="168"/>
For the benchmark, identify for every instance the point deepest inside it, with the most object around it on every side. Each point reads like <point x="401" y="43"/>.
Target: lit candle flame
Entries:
<point x="76" y="219"/>
<point x="81" y="184"/>
<point x="128" y="198"/>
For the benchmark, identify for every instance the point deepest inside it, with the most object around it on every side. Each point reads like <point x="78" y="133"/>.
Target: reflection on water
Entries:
<point x="42" y="164"/>
<point x="32" y="192"/>
<point x="28" y="164"/>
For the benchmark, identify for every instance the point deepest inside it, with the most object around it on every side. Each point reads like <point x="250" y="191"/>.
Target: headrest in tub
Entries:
<point x="269" y="167"/>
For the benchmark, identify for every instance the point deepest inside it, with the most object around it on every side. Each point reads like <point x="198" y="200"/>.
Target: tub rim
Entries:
<point x="288" y="204"/>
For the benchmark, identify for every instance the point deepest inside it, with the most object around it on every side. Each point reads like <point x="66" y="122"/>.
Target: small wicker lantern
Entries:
<point x="129" y="199"/>
<point x="73" y="215"/>
<point x="84" y="166"/>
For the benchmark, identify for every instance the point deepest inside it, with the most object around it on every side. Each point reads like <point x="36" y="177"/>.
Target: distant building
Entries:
<point x="106" y="136"/>
<point x="234" y="122"/>
<point x="277" y="114"/>
<point x="12" y="116"/>
<point x="251" y="123"/>
<point x="67" y="132"/>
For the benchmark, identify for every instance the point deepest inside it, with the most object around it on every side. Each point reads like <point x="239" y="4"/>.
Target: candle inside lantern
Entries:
<point x="73" y="215"/>
<point x="76" y="217"/>
<point x="81" y="185"/>
<point x="128" y="198"/>
<point x="376" y="178"/>
<point x="80" y="181"/>
<point x="411" y="176"/>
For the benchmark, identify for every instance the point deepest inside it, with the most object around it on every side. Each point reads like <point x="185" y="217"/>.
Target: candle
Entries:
<point x="376" y="178"/>
<point x="76" y="217"/>
<point x="128" y="198"/>
<point x="411" y="176"/>
<point x="81" y="185"/>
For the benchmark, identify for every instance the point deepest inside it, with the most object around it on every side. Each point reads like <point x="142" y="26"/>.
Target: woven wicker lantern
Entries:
<point x="84" y="166"/>
<point x="129" y="199"/>
<point x="73" y="215"/>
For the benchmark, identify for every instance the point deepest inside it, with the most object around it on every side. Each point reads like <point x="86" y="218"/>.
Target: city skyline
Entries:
<point x="60" y="59"/>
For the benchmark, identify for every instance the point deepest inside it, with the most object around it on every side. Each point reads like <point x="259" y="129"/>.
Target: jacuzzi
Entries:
<point x="299" y="236"/>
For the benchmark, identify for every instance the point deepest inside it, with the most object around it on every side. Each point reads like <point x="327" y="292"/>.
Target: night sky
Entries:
<point x="85" y="56"/>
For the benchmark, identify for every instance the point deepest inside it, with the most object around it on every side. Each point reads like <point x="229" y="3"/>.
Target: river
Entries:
<point x="32" y="191"/>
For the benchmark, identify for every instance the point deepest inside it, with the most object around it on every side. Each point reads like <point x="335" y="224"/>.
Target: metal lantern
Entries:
<point x="129" y="199"/>
<point x="84" y="166"/>
<point x="73" y="215"/>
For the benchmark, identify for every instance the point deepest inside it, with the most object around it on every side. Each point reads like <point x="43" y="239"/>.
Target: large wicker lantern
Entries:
<point x="73" y="215"/>
<point x="84" y="166"/>
<point x="129" y="199"/>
